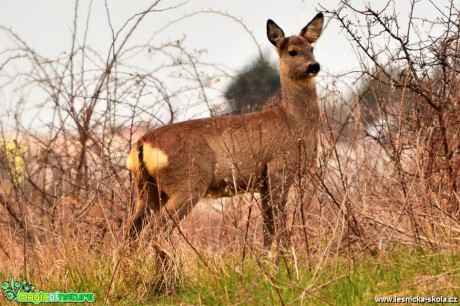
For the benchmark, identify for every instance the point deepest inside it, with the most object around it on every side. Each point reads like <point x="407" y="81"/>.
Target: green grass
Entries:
<point x="340" y="281"/>
<point x="263" y="281"/>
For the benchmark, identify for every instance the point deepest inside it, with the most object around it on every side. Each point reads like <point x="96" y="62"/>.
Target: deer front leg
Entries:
<point x="274" y="193"/>
<point x="268" y="217"/>
<point x="268" y="212"/>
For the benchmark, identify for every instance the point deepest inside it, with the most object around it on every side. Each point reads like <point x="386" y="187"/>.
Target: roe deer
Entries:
<point x="175" y="165"/>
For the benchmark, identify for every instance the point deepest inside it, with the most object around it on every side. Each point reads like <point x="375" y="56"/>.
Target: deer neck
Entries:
<point x="300" y="103"/>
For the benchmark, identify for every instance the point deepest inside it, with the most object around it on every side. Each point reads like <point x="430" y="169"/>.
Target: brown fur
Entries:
<point x="221" y="156"/>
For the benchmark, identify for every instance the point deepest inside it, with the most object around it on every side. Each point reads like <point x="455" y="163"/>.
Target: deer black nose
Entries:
<point x="313" y="68"/>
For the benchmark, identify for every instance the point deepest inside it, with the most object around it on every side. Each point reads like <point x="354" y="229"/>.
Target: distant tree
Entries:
<point x="252" y="88"/>
<point x="374" y="93"/>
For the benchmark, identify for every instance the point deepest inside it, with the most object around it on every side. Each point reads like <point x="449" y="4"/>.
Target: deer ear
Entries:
<point x="274" y="33"/>
<point x="313" y="29"/>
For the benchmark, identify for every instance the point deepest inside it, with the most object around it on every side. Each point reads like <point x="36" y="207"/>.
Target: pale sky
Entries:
<point x="46" y="26"/>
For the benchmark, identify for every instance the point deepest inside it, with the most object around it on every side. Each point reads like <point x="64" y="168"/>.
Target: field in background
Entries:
<point x="378" y="217"/>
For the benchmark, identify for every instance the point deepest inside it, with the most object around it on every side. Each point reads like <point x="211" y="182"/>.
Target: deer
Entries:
<point x="175" y="165"/>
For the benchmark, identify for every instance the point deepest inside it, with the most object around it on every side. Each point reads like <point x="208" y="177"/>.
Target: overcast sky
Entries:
<point x="46" y="26"/>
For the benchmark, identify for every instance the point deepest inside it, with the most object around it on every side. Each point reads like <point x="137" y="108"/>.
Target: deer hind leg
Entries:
<point x="180" y="202"/>
<point x="177" y="207"/>
<point x="149" y="198"/>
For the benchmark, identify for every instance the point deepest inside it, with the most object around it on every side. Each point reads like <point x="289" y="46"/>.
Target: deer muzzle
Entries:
<point x="313" y="68"/>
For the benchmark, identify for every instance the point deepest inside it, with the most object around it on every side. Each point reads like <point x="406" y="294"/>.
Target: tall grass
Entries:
<point x="131" y="278"/>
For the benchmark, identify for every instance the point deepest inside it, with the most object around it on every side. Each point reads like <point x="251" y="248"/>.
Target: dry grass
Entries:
<point x="355" y="206"/>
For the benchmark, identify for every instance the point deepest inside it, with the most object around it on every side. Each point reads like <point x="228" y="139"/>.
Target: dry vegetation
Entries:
<point x="390" y="185"/>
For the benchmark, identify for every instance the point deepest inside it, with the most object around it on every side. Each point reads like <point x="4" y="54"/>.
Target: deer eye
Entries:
<point x="312" y="49"/>
<point x="292" y="53"/>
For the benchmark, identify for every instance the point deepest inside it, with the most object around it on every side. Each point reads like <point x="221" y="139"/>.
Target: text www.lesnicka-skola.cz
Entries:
<point x="416" y="299"/>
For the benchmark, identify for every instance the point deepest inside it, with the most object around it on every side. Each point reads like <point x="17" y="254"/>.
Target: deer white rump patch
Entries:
<point x="132" y="162"/>
<point x="154" y="158"/>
